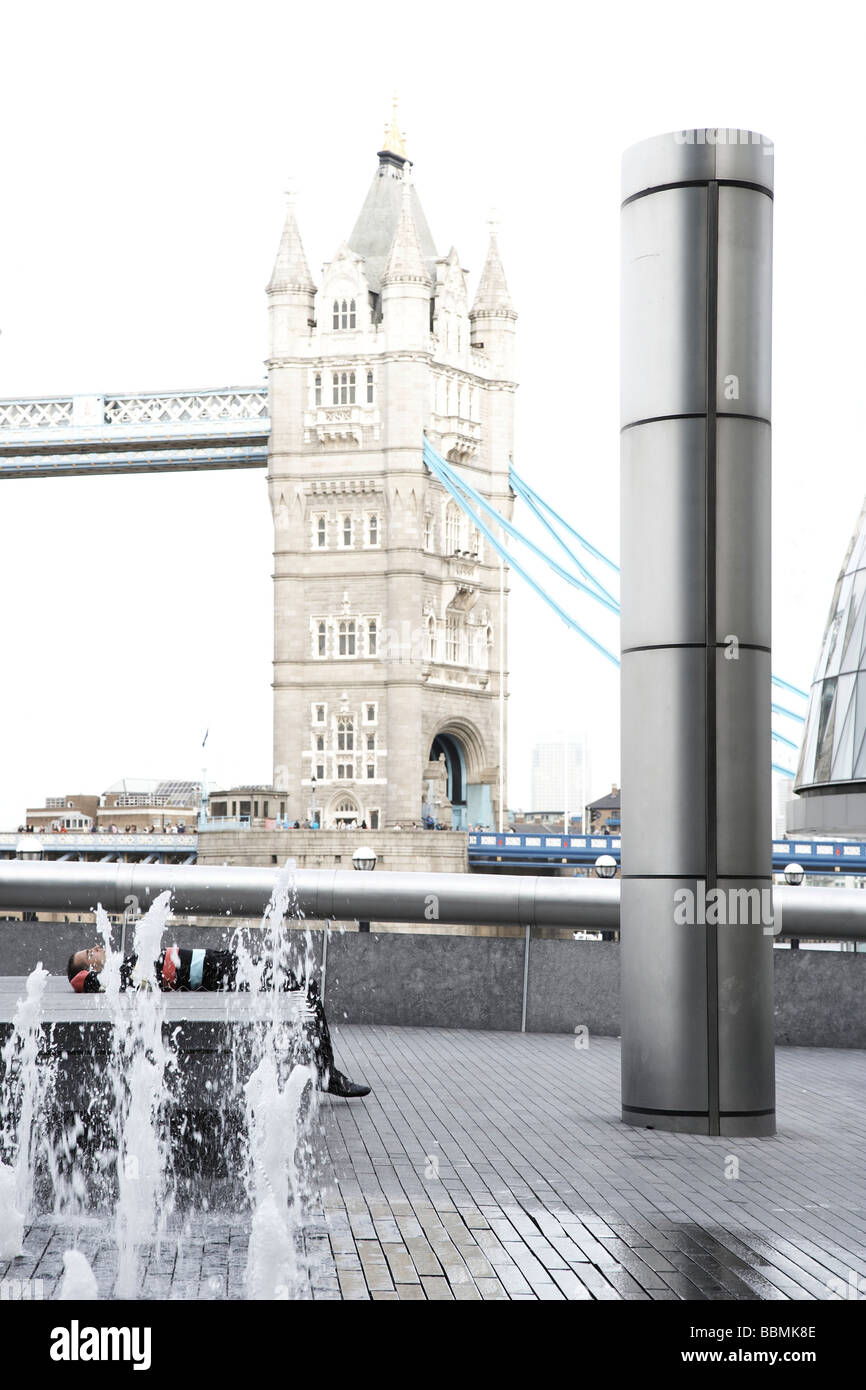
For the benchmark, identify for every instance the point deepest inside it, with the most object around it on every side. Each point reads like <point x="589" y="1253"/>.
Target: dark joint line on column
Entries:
<point x="648" y="1110"/>
<point x="697" y="183"/>
<point x="694" y="646"/>
<point x="695" y="415"/>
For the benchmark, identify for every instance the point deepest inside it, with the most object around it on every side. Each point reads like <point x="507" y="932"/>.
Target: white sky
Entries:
<point x="145" y="153"/>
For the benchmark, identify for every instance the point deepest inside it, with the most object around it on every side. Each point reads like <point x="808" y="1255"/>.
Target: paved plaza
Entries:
<point x="494" y="1166"/>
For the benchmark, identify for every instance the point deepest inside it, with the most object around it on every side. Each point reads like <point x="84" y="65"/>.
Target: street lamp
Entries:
<point x="794" y="875"/>
<point x="29" y="847"/>
<point x="364" y="859"/>
<point x="313" y="807"/>
<point x="605" y="867"/>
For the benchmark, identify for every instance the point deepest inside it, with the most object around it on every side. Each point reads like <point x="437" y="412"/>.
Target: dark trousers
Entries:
<point x="220" y="971"/>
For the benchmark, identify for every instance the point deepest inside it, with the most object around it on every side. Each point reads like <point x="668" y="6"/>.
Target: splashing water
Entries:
<point x="11" y="1219"/>
<point x="79" y="1281"/>
<point x="140" y="1062"/>
<point x="26" y="1088"/>
<point x="281" y="1095"/>
<point x="126" y="1118"/>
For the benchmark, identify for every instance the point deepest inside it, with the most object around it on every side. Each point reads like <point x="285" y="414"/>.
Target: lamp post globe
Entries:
<point x="364" y="859"/>
<point x="794" y="875"/>
<point x="605" y="867"/>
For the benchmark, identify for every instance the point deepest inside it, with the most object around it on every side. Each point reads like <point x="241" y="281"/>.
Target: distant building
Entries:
<point x="137" y="804"/>
<point x="603" y="815"/>
<point x="77" y="811"/>
<point x="560" y="775"/>
<point x="257" y="805"/>
<point x="554" y="821"/>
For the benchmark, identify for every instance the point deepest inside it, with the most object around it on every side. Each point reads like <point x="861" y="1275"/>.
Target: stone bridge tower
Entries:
<point x="387" y="630"/>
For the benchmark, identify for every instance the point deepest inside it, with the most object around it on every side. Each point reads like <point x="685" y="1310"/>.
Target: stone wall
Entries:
<point x="423" y="979"/>
<point x="426" y="851"/>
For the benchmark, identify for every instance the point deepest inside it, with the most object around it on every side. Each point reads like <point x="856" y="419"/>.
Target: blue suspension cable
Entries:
<point x="432" y="460"/>
<point x="526" y="496"/>
<point x="780" y="709"/>
<point x="783" y="685"/>
<point x="780" y="738"/>
<point x="467" y="488"/>
<point x="785" y="771"/>
<point x="541" y="502"/>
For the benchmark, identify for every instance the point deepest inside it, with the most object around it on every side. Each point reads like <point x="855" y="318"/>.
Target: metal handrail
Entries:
<point x="342" y="895"/>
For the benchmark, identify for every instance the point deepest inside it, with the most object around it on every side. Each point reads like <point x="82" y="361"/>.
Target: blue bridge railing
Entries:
<point x="488" y="849"/>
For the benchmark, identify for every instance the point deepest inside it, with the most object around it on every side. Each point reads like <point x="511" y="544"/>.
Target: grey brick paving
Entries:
<point x="494" y="1165"/>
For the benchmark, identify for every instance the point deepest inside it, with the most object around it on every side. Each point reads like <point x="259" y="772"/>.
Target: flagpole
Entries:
<point x="202" y="816"/>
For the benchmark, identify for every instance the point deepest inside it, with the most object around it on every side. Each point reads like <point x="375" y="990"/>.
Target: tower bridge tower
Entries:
<point x="387" y="626"/>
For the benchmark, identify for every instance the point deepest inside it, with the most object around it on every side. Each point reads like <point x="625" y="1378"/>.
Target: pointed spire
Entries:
<point x="394" y="140"/>
<point x="493" y="296"/>
<point x="291" y="271"/>
<point x="406" y="263"/>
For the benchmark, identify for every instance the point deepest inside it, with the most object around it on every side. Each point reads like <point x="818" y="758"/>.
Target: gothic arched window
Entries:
<point x="318" y="388"/>
<point x="322" y="639"/>
<point x="352" y="318"/>
<point x="452" y="528"/>
<point x="452" y="638"/>
<point x="372" y="637"/>
<point x="352" y="386"/>
<point x="335" y="388"/>
<point x="336" y="314"/>
<point x="369" y="388"/>
<point x="346" y="644"/>
<point x="345" y="734"/>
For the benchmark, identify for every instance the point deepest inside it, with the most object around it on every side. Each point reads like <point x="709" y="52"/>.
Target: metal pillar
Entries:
<point x="697" y="1030"/>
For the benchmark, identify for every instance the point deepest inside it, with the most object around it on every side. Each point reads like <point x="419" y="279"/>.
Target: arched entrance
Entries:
<point x="344" y="811"/>
<point x="448" y="747"/>
<point x="459" y="772"/>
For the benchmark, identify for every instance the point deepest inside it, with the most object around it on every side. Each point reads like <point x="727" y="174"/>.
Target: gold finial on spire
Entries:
<point x="394" y="140"/>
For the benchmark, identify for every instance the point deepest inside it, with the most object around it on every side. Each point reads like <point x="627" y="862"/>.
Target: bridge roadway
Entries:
<point x="487" y="851"/>
<point x="150" y="432"/>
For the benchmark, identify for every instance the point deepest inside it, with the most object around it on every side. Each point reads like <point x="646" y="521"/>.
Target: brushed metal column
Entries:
<point x="697" y="1002"/>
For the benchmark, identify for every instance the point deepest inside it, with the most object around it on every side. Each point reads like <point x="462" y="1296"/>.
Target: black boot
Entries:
<point x="340" y="1085"/>
<point x="320" y="1037"/>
